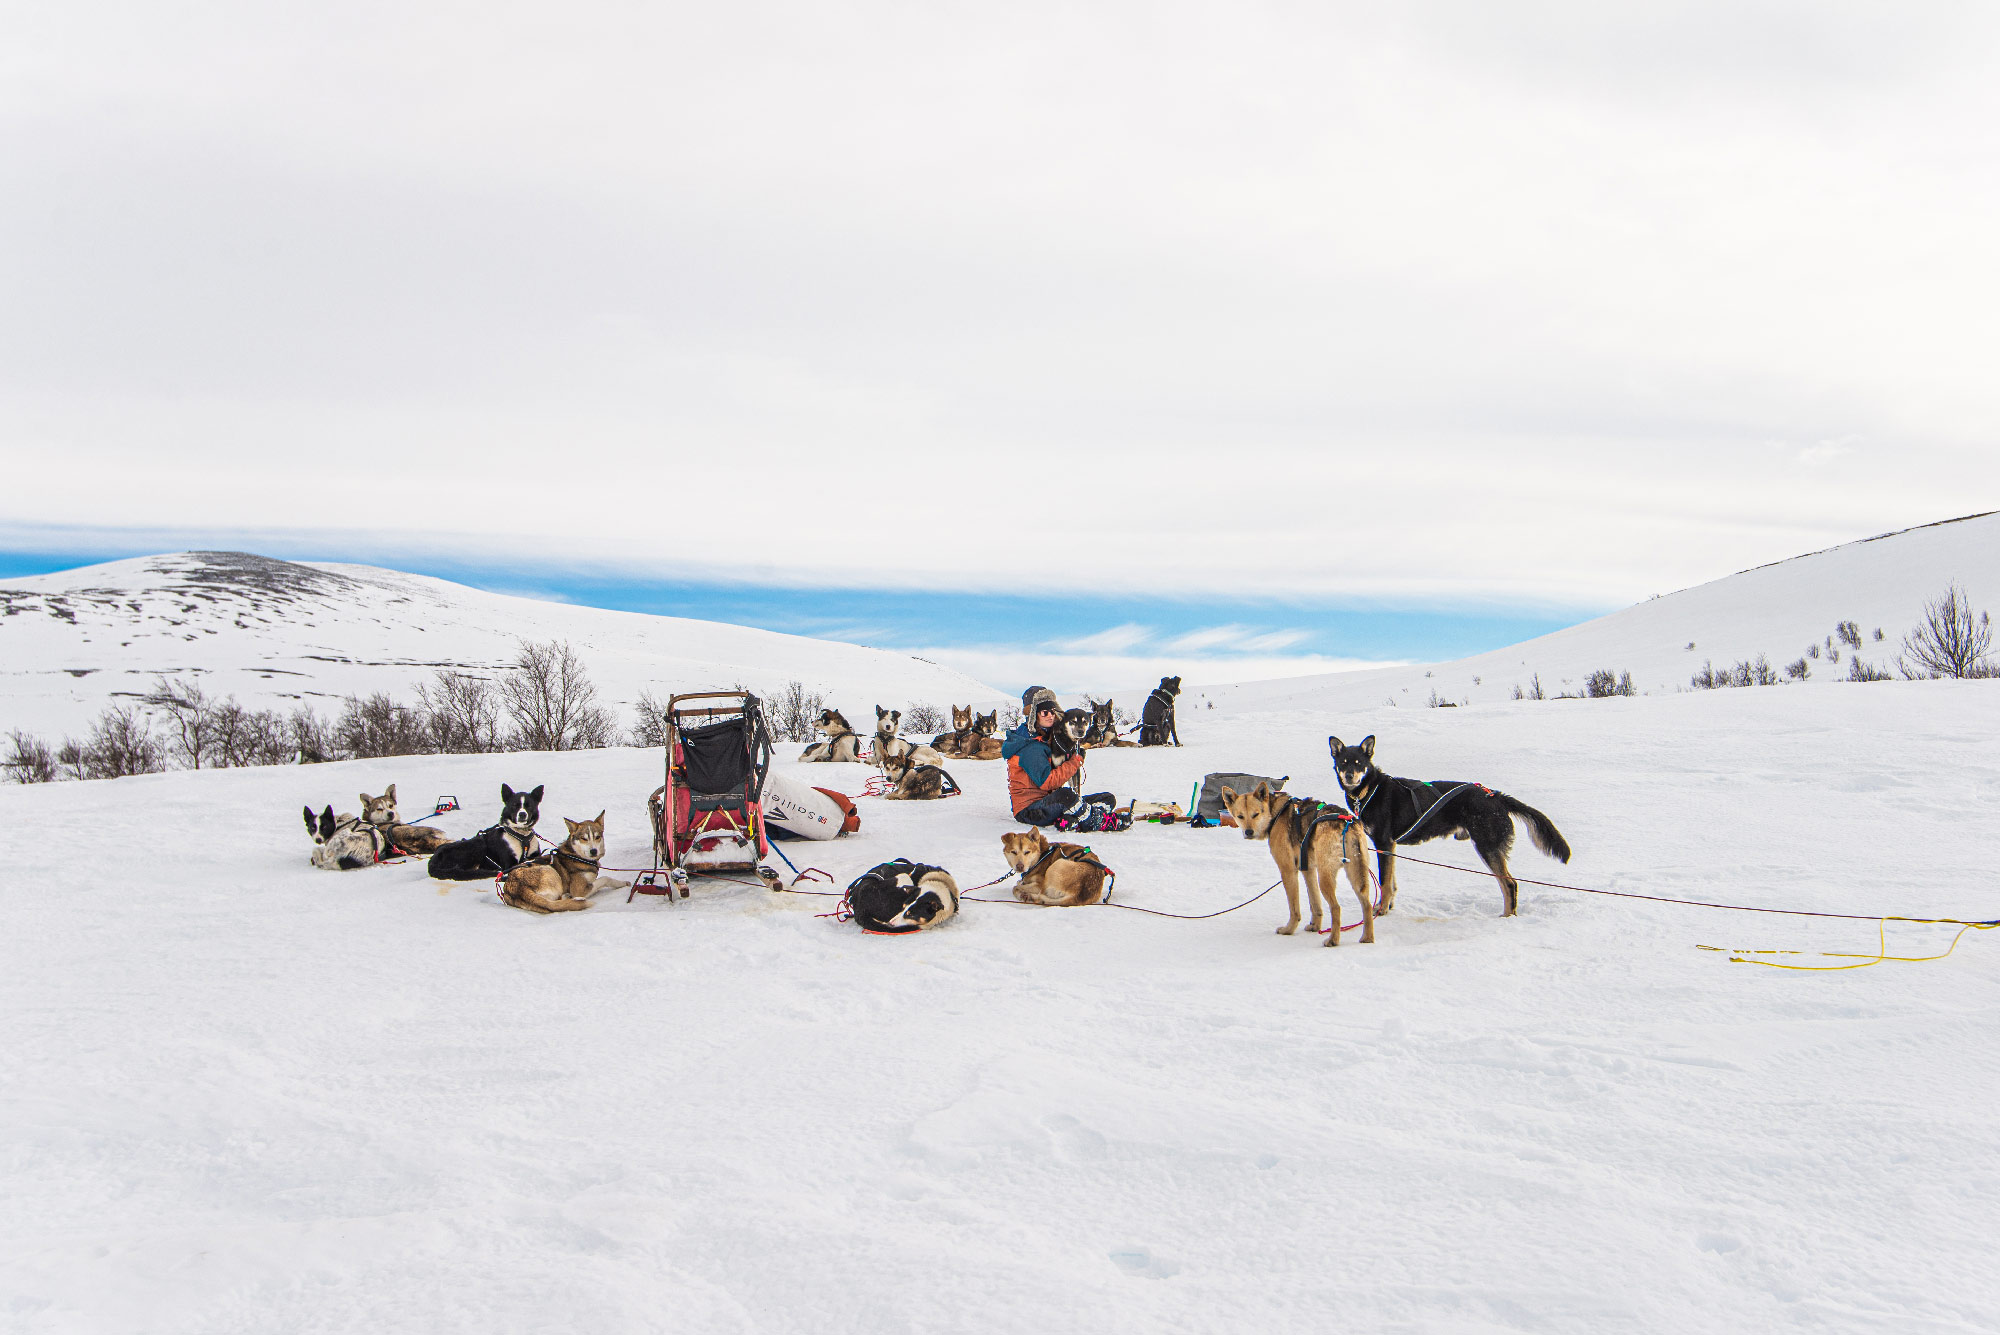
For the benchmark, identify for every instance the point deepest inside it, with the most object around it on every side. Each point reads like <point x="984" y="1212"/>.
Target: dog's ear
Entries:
<point x="1368" y="746"/>
<point x="1228" y="793"/>
<point x="574" y="825"/>
<point x="391" y="794"/>
<point x="506" y="796"/>
<point x="600" y="818"/>
<point x="312" y="822"/>
<point x="1333" y="746"/>
<point x="1263" y="791"/>
<point x="536" y="796"/>
<point x="366" y="801"/>
<point x="326" y="823"/>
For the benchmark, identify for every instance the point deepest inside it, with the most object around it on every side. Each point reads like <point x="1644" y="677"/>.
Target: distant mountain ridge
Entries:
<point x="273" y="633"/>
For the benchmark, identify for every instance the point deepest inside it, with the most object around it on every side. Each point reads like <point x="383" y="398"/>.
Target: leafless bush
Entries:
<point x="314" y="738"/>
<point x="121" y="743"/>
<point x="29" y="759"/>
<point x="1860" y="671"/>
<point x="250" y="737"/>
<point x="1535" y="689"/>
<point x="1010" y="718"/>
<point x="1798" y="669"/>
<point x="1706" y="679"/>
<point x="1850" y="634"/>
<point x="379" y="726"/>
<point x="649" y="721"/>
<point x="1950" y="641"/>
<point x="460" y="714"/>
<point x="1603" y="684"/>
<point x="190" y="719"/>
<point x="1878" y="636"/>
<point x="551" y="702"/>
<point x="794" y="711"/>
<point x="923" y="718"/>
<point x="1519" y="694"/>
<point x="1812" y="651"/>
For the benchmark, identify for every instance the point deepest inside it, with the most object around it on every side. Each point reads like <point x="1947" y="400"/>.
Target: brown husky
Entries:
<point x="1282" y="820"/>
<point x="566" y="881"/>
<point x="416" y="840"/>
<point x="1055" y="875"/>
<point x="917" y="783"/>
<point x="842" y="741"/>
<point x="1103" y="729"/>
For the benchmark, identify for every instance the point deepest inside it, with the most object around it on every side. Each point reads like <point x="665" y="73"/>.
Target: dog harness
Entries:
<point x="1308" y="814"/>
<point x="1076" y="853"/>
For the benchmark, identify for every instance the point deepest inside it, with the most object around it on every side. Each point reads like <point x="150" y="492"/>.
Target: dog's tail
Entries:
<point x="1540" y="828"/>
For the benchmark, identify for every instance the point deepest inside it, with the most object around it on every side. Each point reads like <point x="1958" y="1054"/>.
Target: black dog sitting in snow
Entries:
<point x="496" y="848"/>
<point x="1156" y="721"/>
<point x="1408" y="811"/>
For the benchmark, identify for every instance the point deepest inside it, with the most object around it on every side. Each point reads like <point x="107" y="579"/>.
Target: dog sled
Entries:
<point x="708" y="817"/>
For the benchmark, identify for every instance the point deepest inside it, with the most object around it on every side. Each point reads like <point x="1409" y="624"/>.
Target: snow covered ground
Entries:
<point x="246" y="1096"/>
<point x="274" y="633"/>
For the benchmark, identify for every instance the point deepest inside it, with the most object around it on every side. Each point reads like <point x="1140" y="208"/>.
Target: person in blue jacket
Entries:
<point x="1040" y="767"/>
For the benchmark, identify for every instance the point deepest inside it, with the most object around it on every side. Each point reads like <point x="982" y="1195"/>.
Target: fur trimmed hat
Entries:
<point x="1033" y="698"/>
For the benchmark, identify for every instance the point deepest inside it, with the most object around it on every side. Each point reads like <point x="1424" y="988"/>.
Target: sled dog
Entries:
<point x="916" y="783"/>
<point x="343" y="842"/>
<point x="947" y="743"/>
<point x="1053" y="875"/>
<point x="842" y="742"/>
<point x="416" y="840"/>
<point x="1285" y="822"/>
<point x="565" y="882"/>
<point x="498" y="846"/>
<point x="1407" y="811"/>
<point x="1157" y="726"/>
<point x="1103" y="729"/>
<point x="890" y="745"/>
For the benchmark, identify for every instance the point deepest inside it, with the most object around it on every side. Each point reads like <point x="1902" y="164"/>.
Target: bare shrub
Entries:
<point x="379" y="726"/>
<point x="314" y="739"/>
<point x="649" y="721"/>
<point x="29" y="759"/>
<point x="794" y="712"/>
<point x="1878" y="636"/>
<point x="121" y="743"/>
<point x="1812" y="651"/>
<point x="551" y="702"/>
<point x="1603" y="683"/>
<point x="250" y="736"/>
<point x="1535" y="691"/>
<point x="922" y="718"/>
<point x="1519" y="694"/>
<point x="1860" y="671"/>
<point x="1950" y="641"/>
<point x="1798" y="670"/>
<point x="1850" y="634"/>
<point x="1707" y="679"/>
<point x="190" y="719"/>
<point x="460" y="714"/>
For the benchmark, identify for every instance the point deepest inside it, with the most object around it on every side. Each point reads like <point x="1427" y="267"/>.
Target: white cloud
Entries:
<point x="851" y="263"/>
<point x="1113" y="641"/>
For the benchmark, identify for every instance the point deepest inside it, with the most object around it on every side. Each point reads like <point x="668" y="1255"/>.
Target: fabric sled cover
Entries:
<point x="1210" y="805"/>
<point x="718" y="758"/>
<point x="796" y="809"/>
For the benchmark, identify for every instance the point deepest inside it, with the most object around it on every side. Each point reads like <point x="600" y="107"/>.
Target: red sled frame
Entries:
<point x="709" y="833"/>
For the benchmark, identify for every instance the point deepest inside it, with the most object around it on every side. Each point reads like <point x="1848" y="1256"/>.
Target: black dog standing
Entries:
<point x="1408" y="811"/>
<point x="497" y="847"/>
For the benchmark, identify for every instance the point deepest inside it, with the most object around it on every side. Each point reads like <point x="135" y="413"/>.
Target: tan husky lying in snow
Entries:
<point x="1053" y="875"/>
<point x="565" y="882"/>
<point x="417" y="840"/>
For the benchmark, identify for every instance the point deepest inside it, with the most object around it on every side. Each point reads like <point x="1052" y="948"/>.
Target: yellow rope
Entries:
<point x="1881" y="956"/>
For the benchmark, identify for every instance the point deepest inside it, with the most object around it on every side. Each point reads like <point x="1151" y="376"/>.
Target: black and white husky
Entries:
<point x="494" y="849"/>
<point x="1409" y="811"/>
<point x="344" y="842"/>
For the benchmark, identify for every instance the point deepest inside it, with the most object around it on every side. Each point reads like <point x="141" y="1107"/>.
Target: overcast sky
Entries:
<point x="1527" y="305"/>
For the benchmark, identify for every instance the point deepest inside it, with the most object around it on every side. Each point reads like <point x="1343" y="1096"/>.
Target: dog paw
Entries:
<point x="1288" y="929"/>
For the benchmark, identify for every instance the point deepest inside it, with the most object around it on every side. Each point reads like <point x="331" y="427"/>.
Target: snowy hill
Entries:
<point x="1776" y="610"/>
<point x="272" y="633"/>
